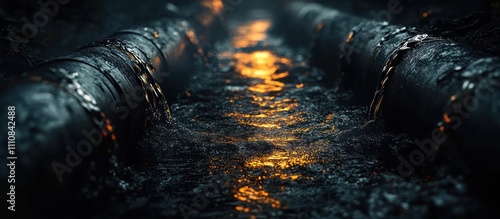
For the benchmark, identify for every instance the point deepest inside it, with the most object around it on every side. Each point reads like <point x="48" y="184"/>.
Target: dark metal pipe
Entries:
<point x="78" y="117"/>
<point x="442" y="92"/>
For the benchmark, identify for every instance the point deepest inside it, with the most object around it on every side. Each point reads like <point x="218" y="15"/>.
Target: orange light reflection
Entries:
<point x="276" y="119"/>
<point x="251" y="34"/>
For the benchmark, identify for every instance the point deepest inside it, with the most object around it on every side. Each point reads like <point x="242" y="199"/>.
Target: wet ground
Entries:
<point x="259" y="134"/>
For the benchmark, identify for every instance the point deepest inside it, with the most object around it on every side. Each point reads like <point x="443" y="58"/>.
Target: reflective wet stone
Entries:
<point x="263" y="136"/>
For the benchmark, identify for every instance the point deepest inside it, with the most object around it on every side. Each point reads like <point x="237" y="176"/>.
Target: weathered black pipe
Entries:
<point x="78" y="116"/>
<point x="420" y="82"/>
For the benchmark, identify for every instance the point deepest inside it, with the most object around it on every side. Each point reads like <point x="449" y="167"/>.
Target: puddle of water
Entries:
<point x="275" y="117"/>
<point x="251" y="34"/>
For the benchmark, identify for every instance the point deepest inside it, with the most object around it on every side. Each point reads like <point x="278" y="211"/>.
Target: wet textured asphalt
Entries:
<point x="258" y="134"/>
